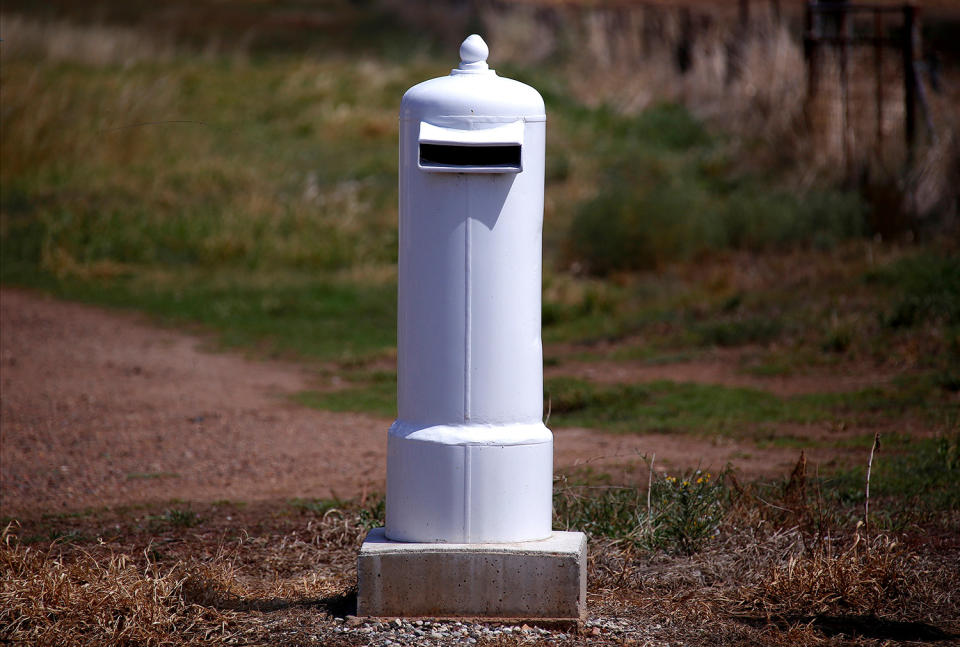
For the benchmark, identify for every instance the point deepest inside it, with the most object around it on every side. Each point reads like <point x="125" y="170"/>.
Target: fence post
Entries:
<point x="909" y="79"/>
<point x="810" y="54"/>
<point x="844" y="37"/>
<point x="878" y="71"/>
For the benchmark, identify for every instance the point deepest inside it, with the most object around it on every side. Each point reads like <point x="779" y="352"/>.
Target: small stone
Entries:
<point x="525" y="628"/>
<point x="595" y="631"/>
<point x="354" y="621"/>
<point x="398" y="622"/>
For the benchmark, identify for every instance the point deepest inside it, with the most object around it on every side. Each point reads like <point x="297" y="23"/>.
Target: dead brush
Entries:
<point x="870" y="576"/>
<point x="51" y="598"/>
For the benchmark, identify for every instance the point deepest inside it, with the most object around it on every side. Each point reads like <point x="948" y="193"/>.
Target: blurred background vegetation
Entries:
<point x="234" y="166"/>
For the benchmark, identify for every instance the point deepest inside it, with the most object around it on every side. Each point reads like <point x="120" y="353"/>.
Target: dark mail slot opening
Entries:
<point x="446" y="155"/>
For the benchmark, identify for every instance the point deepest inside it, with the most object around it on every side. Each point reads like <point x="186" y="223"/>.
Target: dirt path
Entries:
<point x="103" y="408"/>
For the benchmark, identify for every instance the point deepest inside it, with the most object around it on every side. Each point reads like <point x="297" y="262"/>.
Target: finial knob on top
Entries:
<point x="473" y="53"/>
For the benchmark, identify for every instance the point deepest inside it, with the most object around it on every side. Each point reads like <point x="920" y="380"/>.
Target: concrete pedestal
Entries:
<point x="532" y="580"/>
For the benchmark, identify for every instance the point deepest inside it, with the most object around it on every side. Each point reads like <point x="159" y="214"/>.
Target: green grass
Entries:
<point x="685" y="407"/>
<point x="318" y="506"/>
<point x="134" y="476"/>
<point x="665" y="406"/>
<point x="912" y="483"/>
<point x="927" y="286"/>
<point x="378" y="396"/>
<point x="660" y="406"/>
<point x="58" y="536"/>
<point x="176" y="518"/>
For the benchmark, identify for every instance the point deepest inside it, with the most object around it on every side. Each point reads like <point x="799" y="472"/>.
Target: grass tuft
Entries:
<point x="684" y="511"/>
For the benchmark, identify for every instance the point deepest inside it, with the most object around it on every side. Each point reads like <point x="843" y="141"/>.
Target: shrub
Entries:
<point x="928" y="287"/>
<point x="668" y="195"/>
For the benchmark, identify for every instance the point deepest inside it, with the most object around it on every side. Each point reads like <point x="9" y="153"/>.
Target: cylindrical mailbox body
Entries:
<point x="469" y="459"/>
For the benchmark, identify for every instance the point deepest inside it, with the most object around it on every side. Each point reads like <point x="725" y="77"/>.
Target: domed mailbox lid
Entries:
<point x="471" y="121"/>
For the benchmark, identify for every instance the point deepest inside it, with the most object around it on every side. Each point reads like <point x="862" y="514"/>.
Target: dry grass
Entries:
<point x="766" y="589"/>
<point x="98" y="597"/>
<point x="877" y="576"/>
<point x="162" y="590"/>
<point x="96" y="44"/>
<point x="282" y="574"/>
<point x="78" y="120"/>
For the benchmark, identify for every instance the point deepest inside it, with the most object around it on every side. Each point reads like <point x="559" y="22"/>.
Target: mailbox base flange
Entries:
<point x="527" y="580"/>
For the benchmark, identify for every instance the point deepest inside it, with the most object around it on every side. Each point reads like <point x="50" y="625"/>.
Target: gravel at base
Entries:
<point x="399" y="632"/>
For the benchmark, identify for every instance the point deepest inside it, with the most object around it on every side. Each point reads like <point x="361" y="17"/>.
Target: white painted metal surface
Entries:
<point x="469" y="460"/>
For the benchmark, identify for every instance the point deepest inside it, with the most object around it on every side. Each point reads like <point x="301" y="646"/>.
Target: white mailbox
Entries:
<point x="469" y="459"/>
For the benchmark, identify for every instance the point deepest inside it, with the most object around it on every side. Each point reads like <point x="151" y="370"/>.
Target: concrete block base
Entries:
<point x="532" y="580"/>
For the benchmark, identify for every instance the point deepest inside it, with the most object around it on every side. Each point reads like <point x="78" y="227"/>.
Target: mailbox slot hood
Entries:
<point x="490" y="150"/>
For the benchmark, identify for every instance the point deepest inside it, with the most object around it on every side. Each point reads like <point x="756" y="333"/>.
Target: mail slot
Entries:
<point x="491" y="150"/>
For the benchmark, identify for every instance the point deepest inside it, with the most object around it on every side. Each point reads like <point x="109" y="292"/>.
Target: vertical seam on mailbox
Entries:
<point x="466" y="493"/>
<point x="467" y="359"/>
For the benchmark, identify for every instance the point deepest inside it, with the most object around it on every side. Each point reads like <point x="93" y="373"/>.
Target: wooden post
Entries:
<point x="810" y="51"/>
<point x="909" y="79"/>
<point x="648" y="30"/>
<point x="684" y="50"/>
<point x="845" y="89"/>
<point x="921" y="91"/>
<point x="878" y="70"/>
